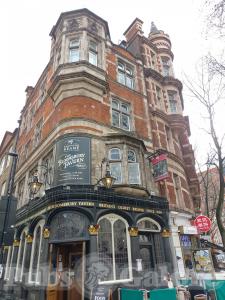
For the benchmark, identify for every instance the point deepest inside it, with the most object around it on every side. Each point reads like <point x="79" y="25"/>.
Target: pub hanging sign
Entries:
<point x="72" y="161"/>
<point x="160" y="169"/>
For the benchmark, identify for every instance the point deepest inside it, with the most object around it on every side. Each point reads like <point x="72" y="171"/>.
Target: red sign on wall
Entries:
<point x="160" y="169"/>
<point x="203" y="223"/>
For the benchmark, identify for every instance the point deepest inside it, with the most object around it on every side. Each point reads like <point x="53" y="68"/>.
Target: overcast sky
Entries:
<point x="25" y="45"/>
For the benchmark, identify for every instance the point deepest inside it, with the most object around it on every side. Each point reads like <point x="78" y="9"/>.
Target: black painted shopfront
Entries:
<point x="75" y="238"/>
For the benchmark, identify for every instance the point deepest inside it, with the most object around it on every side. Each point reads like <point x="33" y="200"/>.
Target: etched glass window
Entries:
<point x="113" y="249"/>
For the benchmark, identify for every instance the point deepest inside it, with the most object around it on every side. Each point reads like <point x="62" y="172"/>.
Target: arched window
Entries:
<point x="147" y="224"/>
<point x="8" y="262"/>
<point x="114" y="249"/>
<point x="115" y="164"/>
<point x="35" y="254"/>
<point x="150" y="243"/>
<point x="21" y="257"/>
<point x="133" y="168"/>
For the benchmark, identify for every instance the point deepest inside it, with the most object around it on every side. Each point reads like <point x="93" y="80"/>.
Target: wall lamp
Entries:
<point x="107" y="180"/>
<point x="35" y="184"/>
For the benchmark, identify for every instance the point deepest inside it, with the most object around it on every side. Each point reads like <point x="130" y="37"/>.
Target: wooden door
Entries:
<point x="66" y="278"/>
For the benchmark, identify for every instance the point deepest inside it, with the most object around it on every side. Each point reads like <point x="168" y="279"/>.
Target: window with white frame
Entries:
<point x="172" y="101"/>
<point x="121" y="114"/>
<point x="35" y="254"/>
<point x="114" y="248"/>
<point x="21" y="257"/>
<point x="8" y="262"/>
<point x="93" y="53"/>
<point x="115" y="162"/>
<point x="165" y="66"/>
<point x="125" y="74"/>
<point x="74" y="50"/>
<point x="133" y="168"/>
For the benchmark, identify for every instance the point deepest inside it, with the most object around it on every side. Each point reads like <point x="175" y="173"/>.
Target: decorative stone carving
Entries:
<point x="92" y="26"/>
<point x="46" y="233"/>
<point x="133" y="231"/>
<point x="72" y="24"/>
<point x="93" y="229"/>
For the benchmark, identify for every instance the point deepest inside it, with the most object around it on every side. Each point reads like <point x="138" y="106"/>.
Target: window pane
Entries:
<point x="93" y="58"/>
<point x="105" y="250"/>
<point x="121" y="67"/>
<point x="115" y="118"/>
<point x="115" y="154"/>
<point x="129" y="71"/>
<point x="115" y="169"/>
<point x="74" y="55"/>
<point x="120" y="246"/>
<point x="115" y="104"/>
<point x="74" y="43"/>
<point x="121" y="78"/>
<point x="129" y="82"/>
<point x="125" y="122"/>
<point x="131" y="156"/>
<point x="173" y="106"/>
<point x="93" y="46"/>
<point x="133" y="173"/>
<point x="124" y="108"/>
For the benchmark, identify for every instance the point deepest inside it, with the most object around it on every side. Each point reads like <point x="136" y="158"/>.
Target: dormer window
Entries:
<point x="74" y="50"/>
<point x="93" y="53"/>
<point x="125" y="75"/>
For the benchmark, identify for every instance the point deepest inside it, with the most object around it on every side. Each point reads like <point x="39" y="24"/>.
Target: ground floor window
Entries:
<point x="35" y="254"/>
<point x="114" y="248"/>
<point x="8" y="262"/>
<point x="21" y="257"/>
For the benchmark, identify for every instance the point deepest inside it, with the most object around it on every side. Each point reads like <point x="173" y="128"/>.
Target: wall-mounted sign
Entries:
<point x="202" y="261"/>
<point x="160" y="168"/>
<point x="203" y="223"/>
<point x="72" y="161"/>
<point x="188" y="229"/>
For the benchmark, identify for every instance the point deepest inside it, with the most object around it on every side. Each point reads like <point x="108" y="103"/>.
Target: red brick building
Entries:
<point x="99" y="105"/>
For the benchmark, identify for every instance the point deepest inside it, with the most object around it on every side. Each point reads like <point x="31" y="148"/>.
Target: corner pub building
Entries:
<point x="98" y="109"/>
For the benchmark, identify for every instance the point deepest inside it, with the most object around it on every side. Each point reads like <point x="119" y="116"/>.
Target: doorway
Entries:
<point x="66" y="274"/>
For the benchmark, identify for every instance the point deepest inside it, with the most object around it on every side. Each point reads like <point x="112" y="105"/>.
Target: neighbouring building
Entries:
<point x="100" y="107"/>
<point x="209" y="191"/>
